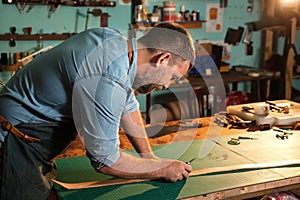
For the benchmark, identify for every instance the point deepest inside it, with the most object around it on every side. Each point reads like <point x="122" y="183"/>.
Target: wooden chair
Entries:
<point x="204" y="100"/>
<point x="211" y="100"/>
<point x="187" y="104"/>
<point x="197" y="102"/>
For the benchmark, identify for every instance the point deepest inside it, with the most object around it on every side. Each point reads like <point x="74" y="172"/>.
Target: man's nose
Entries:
<point x="161" y="87"/>
<point x="165" y="86"/>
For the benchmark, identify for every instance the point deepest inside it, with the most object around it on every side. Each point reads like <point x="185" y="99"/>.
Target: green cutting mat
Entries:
<point x="266" y="149"/>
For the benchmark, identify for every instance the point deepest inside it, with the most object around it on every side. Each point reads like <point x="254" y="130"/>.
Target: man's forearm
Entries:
<point x="142" y="147"/>
<point x="135" y="131"/>
<point x="131" y="167"/>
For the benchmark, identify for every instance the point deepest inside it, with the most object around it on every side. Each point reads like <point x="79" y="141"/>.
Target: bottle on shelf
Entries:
<point x="138" y="11"/>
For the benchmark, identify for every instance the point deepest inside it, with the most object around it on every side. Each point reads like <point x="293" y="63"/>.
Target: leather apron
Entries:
<point x="28" y="167"/>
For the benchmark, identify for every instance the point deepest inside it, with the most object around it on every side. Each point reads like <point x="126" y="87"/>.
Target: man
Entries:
<point x="86" y="85"/>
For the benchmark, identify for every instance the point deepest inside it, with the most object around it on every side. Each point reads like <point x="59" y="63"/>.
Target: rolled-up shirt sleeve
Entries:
<point x="98" y="103"/>
<point x="131" y="104"/>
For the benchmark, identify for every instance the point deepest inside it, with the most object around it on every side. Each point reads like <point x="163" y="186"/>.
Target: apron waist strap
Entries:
<point x="5" y="125"/>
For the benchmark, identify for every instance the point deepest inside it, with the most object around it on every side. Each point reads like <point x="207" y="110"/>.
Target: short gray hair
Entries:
<point x="173" y="38"/>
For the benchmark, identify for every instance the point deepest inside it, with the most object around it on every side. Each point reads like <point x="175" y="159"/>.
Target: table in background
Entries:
<point x="232" y="77"/>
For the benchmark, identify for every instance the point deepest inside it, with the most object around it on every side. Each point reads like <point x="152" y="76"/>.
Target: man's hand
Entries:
<point x="175" y="171"/>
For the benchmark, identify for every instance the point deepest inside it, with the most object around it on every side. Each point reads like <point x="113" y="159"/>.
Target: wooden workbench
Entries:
<point x="167" y="132"/>
<point x="233" y="185"/>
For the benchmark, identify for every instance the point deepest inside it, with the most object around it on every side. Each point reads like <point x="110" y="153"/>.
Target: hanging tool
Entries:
<point x="87" y="19"/>
<point x="53" y="9"/>
<point x="78" y="14"/>
<point x="21" y="7"/>
<point x="29" y="8"/>
<point x="223" y="3"/>
<point x="12" y="42"/>
<point x="94" y="12"/>
<point x="104" y="20"/>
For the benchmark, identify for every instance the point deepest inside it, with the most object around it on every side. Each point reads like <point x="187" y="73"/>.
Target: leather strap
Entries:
<point x="5" y="125"/>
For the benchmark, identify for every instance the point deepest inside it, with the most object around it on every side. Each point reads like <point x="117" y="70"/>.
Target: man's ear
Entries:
<point x="161" y="58"/>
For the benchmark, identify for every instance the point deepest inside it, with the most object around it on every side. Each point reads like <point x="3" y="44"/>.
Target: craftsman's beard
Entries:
<point x="146" y="89"/>
<point x="147" y="83"/>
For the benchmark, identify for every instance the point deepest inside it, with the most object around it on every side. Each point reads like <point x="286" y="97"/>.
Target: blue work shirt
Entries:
<point x="86" y="79"/>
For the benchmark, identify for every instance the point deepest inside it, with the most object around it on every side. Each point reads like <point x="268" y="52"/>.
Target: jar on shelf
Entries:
<point x="169" y="11"/>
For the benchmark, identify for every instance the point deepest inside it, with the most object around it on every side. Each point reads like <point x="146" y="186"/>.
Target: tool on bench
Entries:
<point x="273" y="106"/>
<point x="282" y="130"/>
<point x="246" y="138"/>
<point x="242" y="124"/>
<point x="284" y="134"/>
<point x="264" y="126"/>
<point x="236" y="141"/>
<point x="237" y="122"/>
<point x="224" y="119"/>
<point x="247" y="107"/>
<point x="296" y="126"/>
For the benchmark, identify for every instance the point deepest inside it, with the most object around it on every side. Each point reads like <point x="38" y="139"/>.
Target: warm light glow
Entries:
<point x="289" y="3"/>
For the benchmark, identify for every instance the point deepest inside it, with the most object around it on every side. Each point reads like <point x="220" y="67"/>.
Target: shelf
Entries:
<point x="185" y="24"/>
<point x="296" y="76"/>
<point x="13" y="67"/>
<point x="102" y="3"/>
<point x="37" y="36"/>
<point x="192" y="24"/>
<point x="64" y="36"/>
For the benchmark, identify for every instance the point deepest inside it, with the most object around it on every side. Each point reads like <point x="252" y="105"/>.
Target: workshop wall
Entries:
<point x="67" y="19"/>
